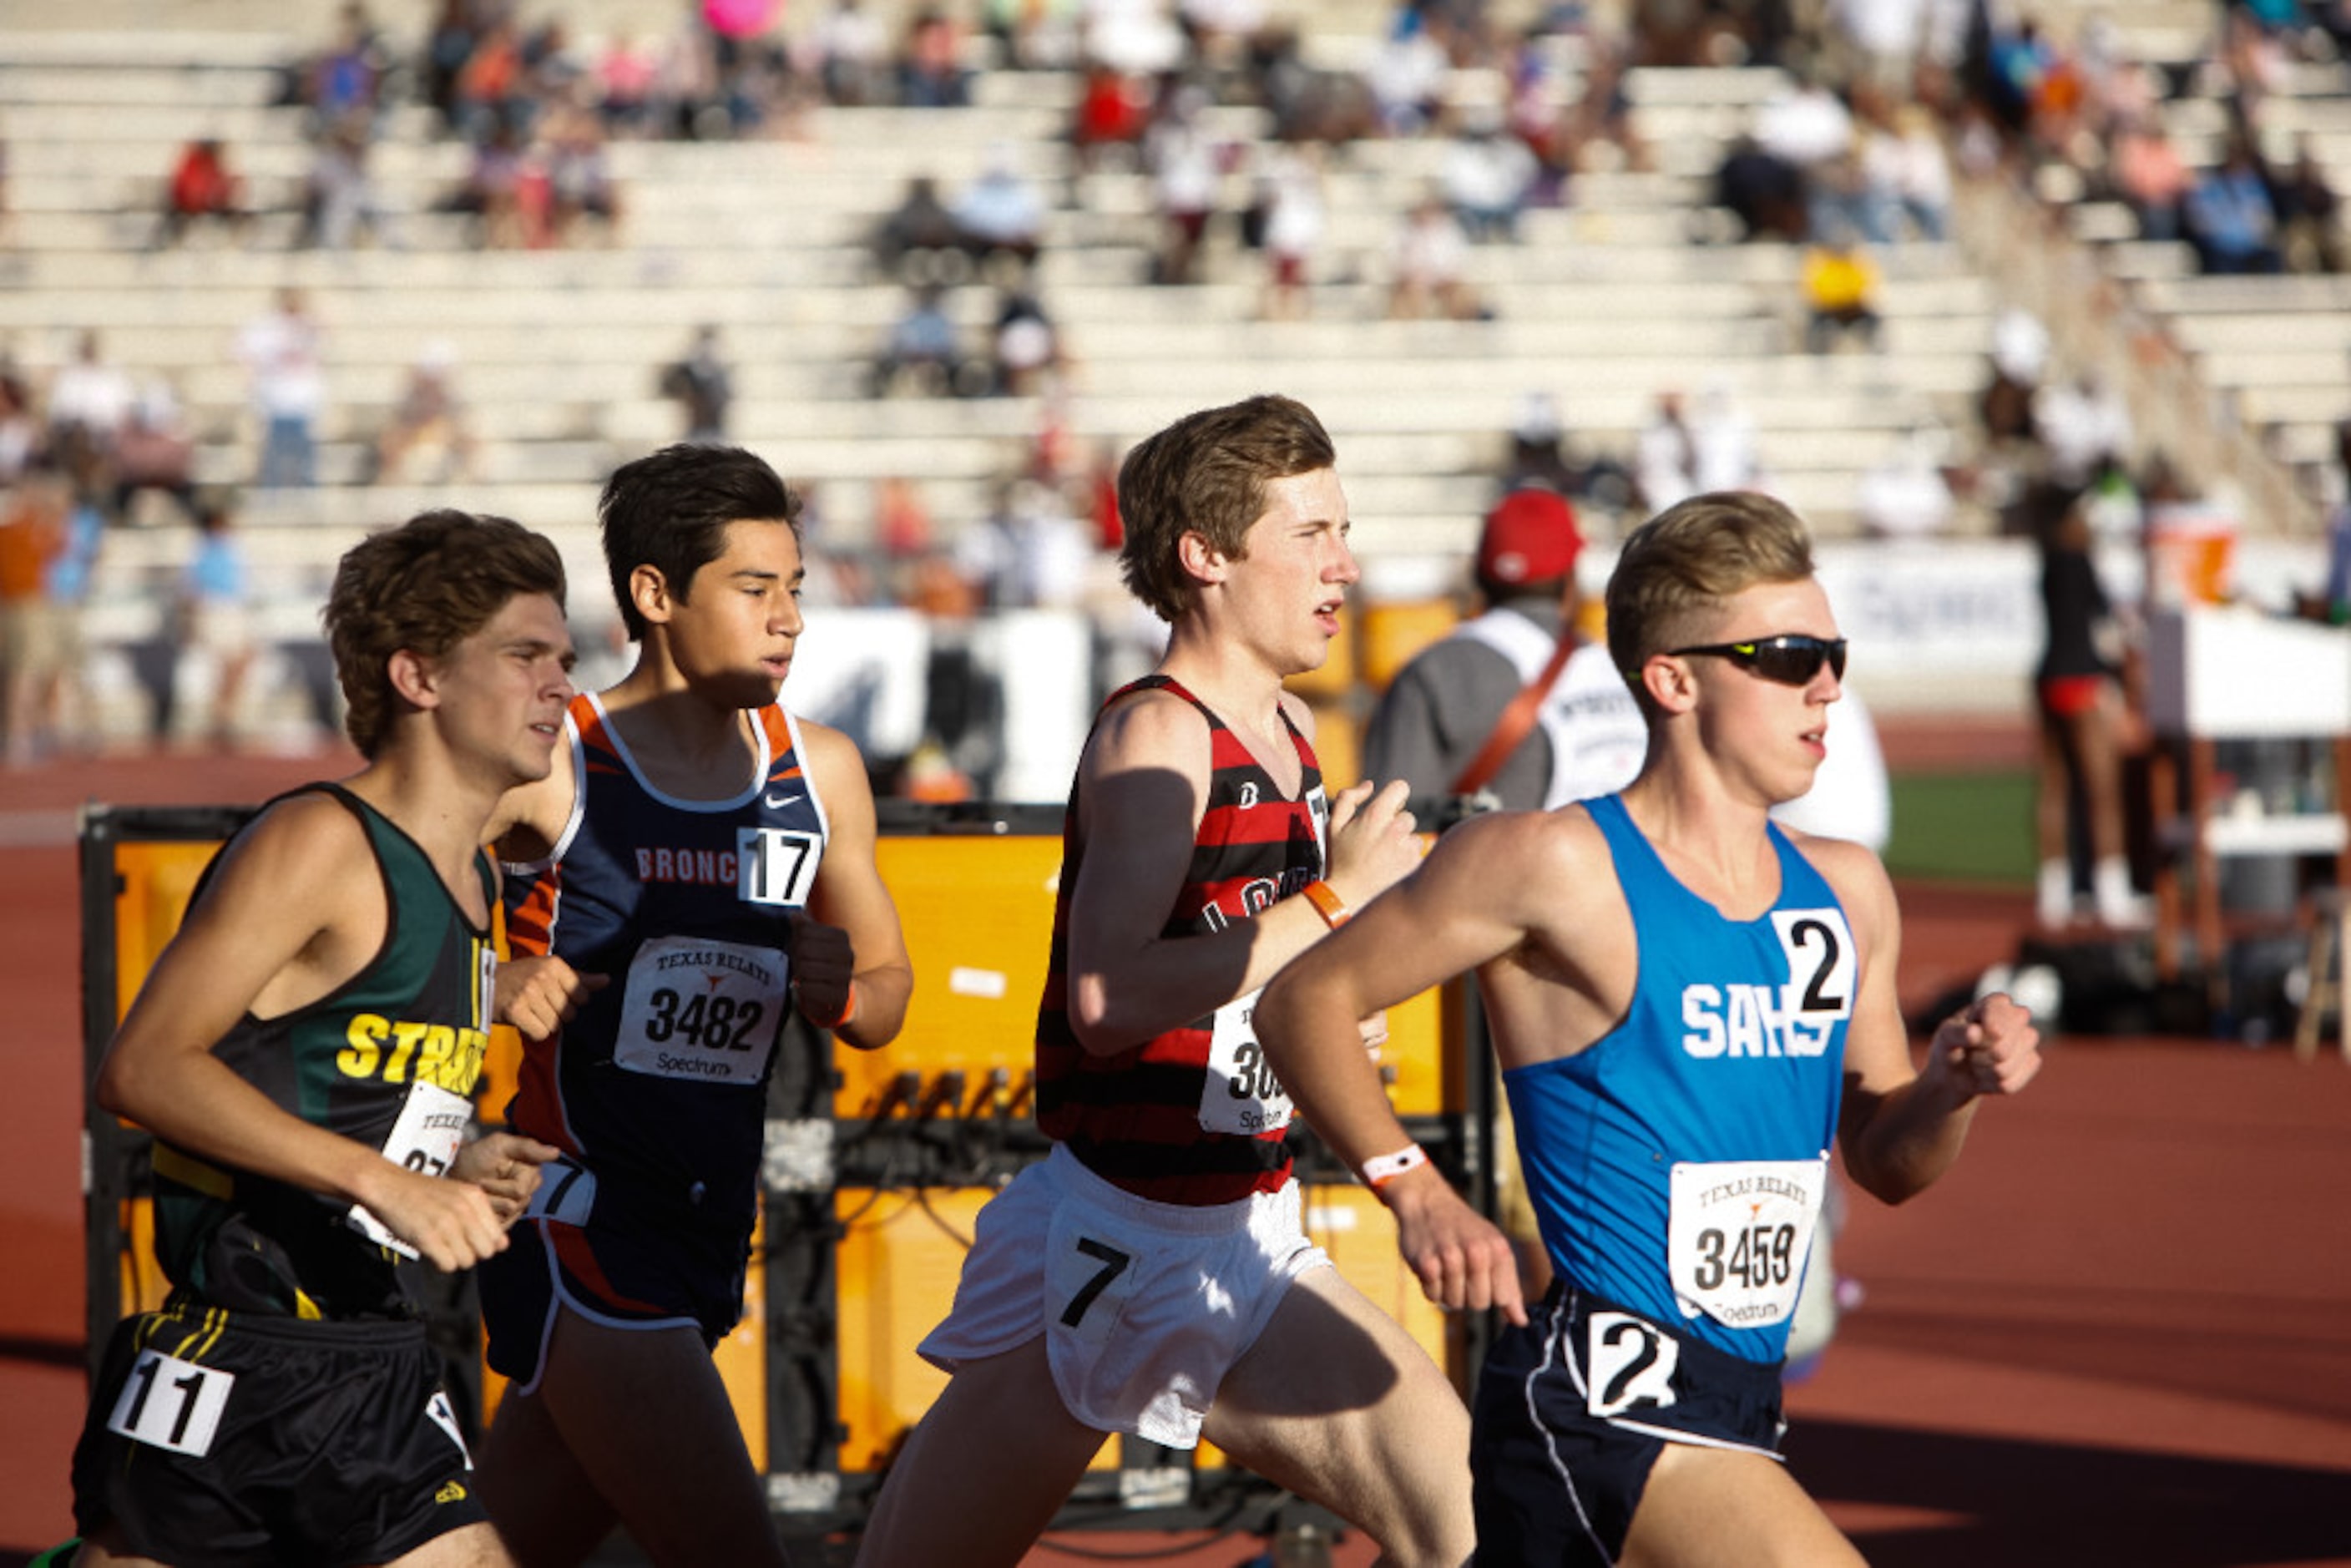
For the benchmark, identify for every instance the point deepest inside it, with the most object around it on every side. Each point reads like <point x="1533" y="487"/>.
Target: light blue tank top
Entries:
<point x="1726" y="1070"/>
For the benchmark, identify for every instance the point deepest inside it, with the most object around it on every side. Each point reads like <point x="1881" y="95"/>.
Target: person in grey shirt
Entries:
<point x="1443" y="709"/>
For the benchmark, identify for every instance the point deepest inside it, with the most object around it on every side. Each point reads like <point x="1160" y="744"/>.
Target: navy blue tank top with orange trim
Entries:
<point x="685" y="906"/>
<point x="1192" y="1116"/>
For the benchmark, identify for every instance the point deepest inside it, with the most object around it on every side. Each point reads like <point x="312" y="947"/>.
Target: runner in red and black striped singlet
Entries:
<point x="1191" y="1116"/>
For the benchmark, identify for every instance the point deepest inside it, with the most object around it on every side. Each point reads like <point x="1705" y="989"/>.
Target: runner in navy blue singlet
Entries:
<point x="1691" y="1008"/>
<point x="698" y="865"/>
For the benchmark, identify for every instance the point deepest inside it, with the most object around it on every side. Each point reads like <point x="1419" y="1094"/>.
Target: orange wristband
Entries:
<point x="1327" y="904"/>
<point x="847" y="1010"/>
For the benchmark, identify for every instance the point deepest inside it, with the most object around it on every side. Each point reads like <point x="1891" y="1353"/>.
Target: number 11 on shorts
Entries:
<point x="172" y="1403"/>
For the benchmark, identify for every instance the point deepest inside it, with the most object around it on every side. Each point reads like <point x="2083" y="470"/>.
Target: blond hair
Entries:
<point x="1678" y="568"/>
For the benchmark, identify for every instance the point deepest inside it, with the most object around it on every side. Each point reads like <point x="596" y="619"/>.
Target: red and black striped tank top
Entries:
<point x="1192" y="1116"/>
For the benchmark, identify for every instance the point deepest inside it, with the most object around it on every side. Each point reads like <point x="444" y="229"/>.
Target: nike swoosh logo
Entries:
<point x="777" y="802"/>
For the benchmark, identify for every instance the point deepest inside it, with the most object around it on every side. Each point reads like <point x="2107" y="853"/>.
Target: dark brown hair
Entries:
<point x="425" y="586"/>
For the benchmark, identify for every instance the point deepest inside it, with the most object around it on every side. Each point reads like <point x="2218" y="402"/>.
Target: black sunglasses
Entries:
<point x="1790" y="658"/>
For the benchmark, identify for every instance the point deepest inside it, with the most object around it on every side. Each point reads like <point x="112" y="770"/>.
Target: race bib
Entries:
<point x="1628" y="1364"/>
<point x="1821" y="976"/>
<point x="1089" y="1275"/>
<point x="1738" y="1235"/>
<point x="776" y="866"/>
<point x="566" y="1193"/>
<point x="702" y="1009"/>
<point x="172" y="1403"/>
<point x="425" y="1139"/>
<point x="1240" y="1093"/>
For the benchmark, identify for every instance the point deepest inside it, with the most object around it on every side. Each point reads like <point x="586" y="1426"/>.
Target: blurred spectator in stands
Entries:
<point x="628" y="77"/>
<point x="930" y="65"/>
<point x="924" y="353"/>
<point x="580" y="183"/>
<point x="1665" y="464"/>
<point x="2084" y="427"/>
<point x="2337" y="592"/>
<point x="90" y="399"/>
<point x="1217" y="34"/>
<point x="2078" y="684"/>
<point x="1408" y="73"/>
<point x="1024" y="346"/>
<point x="1540" y="456"/>
<point x="703" y="387"/>
<point x="1722" y="439"/>
<point x="2307" y="211"/>
<point x="212" y="615"/>
<point x="2255" y="62"/>
<point x="848" y="49"/>
<point x="1487" y="177"/>
<point x="154" y="453"/>
<point x="1905" y="495"/>
<point x="1603" y="113"/>
<point x="1882" y="39"/>
<point x="1905" y="176"/>
<point x="338" y="193"/>
<point x="345" y="83"/>
<point x="2020" y="357"/>
<point x="902" y="522"/>
<point x="488" y="91"/>
<point x="492" y="191"/>
<point x="1808" y="127"/>
<point x="915" y="239"/>
<point x="1537" y="456"/>
<point x="1033" y="35"/>
<point x="1031" y="553"/>
<point x="282" y="354"/>
<point x="428" y="426"/>
<point x="2149" y="176"/>
<point x="201" y="187"/>
<point x="1113" y="109"/>
<point x="1136" y="38"/>
<point x="1840" y="289"/>
<point x="1291" y="223"/>
<point x="2016" y="57"/>
<point x="34" y="533"/>
<point x="448" y="44"/>
<point x="1762" y="190"/>
<point x="1428" y="257"/>
<point x="2228" y="217"/>
<point x="21" y="437"/>
<point x="1000" y="213"/>
<point x="1187" y="169"/>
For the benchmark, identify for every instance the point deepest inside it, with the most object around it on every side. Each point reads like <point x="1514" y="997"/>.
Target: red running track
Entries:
<point x="2118" y="1335"/>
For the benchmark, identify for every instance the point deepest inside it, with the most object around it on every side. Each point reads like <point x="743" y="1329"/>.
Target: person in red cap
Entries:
<point x="1514" y="710"/>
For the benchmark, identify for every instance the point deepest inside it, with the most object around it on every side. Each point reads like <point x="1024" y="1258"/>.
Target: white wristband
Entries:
<point x="1382" y="1169"/>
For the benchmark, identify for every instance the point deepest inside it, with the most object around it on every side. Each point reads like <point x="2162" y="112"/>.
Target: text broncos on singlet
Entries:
<point x="709" y="868"/>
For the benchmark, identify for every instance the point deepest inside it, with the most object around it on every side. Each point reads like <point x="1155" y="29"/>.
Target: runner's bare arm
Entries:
<point x="853" y="933"/>
<point x="245" y="946"/>
<point x="1901" y="1126"/>
<point x="1469" y="905"/>
<point x="1143" y="785"/>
